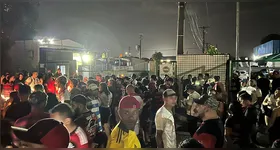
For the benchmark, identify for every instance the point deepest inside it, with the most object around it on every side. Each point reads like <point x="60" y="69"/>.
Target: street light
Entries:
<point x="168" y="60"/>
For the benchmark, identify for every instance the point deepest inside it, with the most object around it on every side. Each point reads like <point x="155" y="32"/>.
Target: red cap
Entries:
<point x="47" y="132"/>
<point x="129" y="102"/>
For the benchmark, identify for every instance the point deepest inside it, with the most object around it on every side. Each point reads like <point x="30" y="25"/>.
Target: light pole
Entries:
<point x="140" y="45"/>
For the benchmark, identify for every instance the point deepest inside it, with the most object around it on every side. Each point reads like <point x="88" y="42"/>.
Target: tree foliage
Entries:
<point x="18" y="22"/>
<point x="157" y="57"/>
<point x="212" y="50"/>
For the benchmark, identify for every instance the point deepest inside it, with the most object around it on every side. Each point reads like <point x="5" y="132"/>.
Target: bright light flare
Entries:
<point x="5" y="98"/>
<point x="51" y="41"/>
<point x="41" y="41"/>
<point x="86" y="58"/>
<point x="168" y="60"/>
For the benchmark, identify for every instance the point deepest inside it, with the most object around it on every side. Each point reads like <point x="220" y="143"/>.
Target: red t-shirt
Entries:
<point x="78" y="139"/>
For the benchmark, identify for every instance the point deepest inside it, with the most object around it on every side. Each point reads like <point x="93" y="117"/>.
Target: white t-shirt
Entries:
<point x="32" y="82"/>
<point x="254" y="92"/>
<point x="164" y="121"/>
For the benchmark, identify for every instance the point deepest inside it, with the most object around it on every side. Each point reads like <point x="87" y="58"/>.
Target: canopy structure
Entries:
<point x="270" y="58"/>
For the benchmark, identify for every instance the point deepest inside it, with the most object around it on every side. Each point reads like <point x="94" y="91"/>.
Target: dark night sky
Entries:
<point x="116" y="25"/>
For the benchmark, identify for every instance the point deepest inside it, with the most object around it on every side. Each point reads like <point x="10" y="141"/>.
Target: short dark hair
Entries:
<point x="39" y="87"/>
<point x="278" y="89"/>
<point x="80" y="99"/>
<point x="64" y="110"/>
<point x="207" y="74"/>
<point x="246" y="96"/>
<point x="24" y="90"/>
<point x="38" y="98"/>
<point x="75" y="82"/>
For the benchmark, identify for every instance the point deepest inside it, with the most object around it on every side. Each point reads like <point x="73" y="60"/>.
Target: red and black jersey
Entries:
<point x="78" y="139"/>
<point x="210" y="134"/>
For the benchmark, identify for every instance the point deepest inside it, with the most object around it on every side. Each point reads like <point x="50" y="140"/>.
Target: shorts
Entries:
<point x="105" y="114"/>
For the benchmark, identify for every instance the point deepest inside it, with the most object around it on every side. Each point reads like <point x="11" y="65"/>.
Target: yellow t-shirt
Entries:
<point x="123" y="138"/>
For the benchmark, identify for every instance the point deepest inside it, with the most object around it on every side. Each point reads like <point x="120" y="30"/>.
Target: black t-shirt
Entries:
<point x="250" y="120"/>
<point x="88" y="121"/>
<point x="210" y="133"/>
<point x="275" y="84"/>
<point x="263" y="84"/>
<point x="17" y="111"/>
<point x="236" y="123"/>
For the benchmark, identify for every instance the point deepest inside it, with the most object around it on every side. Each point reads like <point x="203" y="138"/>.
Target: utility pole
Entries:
<point x="180" y="28"/>
<point x="203" y="37"/>
<point x="129" y="51"/>
<point x="237" y="32"/>
<point x="140" y="45"/>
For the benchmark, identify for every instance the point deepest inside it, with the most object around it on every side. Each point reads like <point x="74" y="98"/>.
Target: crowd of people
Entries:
<point x="54" y="111"/>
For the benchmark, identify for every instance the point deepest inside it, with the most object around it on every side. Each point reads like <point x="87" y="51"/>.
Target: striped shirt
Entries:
<point x="95" y="109"/>
<point x="78" y="139"/>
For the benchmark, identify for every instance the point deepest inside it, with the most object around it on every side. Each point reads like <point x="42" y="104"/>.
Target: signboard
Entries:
<point x="264" y="49"/>
<point x="166" y="69"/>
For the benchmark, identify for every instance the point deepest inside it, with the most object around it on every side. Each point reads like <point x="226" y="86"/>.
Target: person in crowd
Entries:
<point x="164" y="120"/>
<point x="235" y="86"/>
<point x="8" y="86"/>
<point x="192" y="95"/>
<point x="62" y="93"/>
<point x="38" y="101"/>
<point x="58" y="73"/>
<point x="14" y="99"/>
<point x="269" y="104"/>
<point x="39" y="88"/>
<point x="199" y="83"/>
<point x="74" y="92"/>
<point x="20" y="79"/>
<point x="94" y="104"/>
<point x="211" y="132"/>
<point x="275" y="81"/>
<point x="190" y="143"/>
<point x="50" y="83"/>
<point x="52" y="101"/>
<point x="274" y="122"/>
<point x="88" y="121"/>
<point x="123" y="135"/>
<point x="105" y="97"/>
<point x="169" y="83"/>
<point x="264" y="84"/>
<point x="130" y="90"/>
<point x="205" y="84"/>
<point x="98" y="78"/>
<point x="153" y="79"/>
<point x="6" y="132"/>
<point x="254" y="91"/>
<point x="276" y="144"/>
<point x="251" y="118"/>
<point x="21" y="109"/>
<point x="65" y="114"/>
<point x="133" y="79"/>
<point x="52" y="134"/>
<point x="233" y="125"/>
<point x="33" y="80"/>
